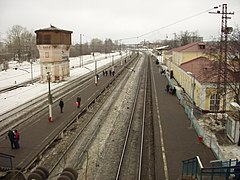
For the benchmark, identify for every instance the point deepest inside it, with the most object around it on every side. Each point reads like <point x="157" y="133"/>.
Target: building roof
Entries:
<point x="162" y="47"/>
<point x="206" y="71"/>
<point x="202" y="68"/>
<point x="192" y="47"/>
<point x="52" y="28"/>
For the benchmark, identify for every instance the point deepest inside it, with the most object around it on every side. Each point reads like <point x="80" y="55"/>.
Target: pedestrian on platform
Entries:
<point x="11" y="137"/>
<point x="78" y="103"/>
<point x="61" y="104"/>
<point x="110" y="72"/>
<point x="16" y="140"/>
<point x="113" y="73"/>
<point x="106" y="72"/>
<point x="167" y="87"/>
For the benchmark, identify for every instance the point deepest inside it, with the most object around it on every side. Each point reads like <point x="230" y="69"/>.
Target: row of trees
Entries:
<point x="96" y="45"/>
<point x="20" y="45"/>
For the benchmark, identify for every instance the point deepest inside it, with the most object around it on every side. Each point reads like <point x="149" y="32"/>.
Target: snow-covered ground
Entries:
<point x="11" y="99"/>
<point x="13" y="76"/>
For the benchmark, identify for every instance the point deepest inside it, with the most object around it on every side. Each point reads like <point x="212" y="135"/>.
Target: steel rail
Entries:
<point x="89" y="139"/>
<point x="129" y="128"/>
<point x="143" y="127"/>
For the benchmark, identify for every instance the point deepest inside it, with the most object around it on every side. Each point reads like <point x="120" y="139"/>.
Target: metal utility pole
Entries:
<point x="105" y="48"/>
<point x="96" y="76"/>
<point x="222" y="63"/>
<point x="31" y="62"/>
<point x="80" y="55"/>
<point x="112" y="63"/>
<point x="95" y="61"/>
<point x="121" y="51"/>
<point x="50" y="118"/>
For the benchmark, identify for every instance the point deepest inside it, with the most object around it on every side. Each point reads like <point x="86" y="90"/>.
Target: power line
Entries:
<point x="176" y="22"/>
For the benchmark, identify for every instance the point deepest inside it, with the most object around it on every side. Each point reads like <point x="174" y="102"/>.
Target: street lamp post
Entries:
<point x="80" y="56"/>
<point x="50" y="119"/>
<point x="112" y="63"/>
<point x="96" y="76"/>
<point x="193" y="89"/>
<point x="31" y="70"/>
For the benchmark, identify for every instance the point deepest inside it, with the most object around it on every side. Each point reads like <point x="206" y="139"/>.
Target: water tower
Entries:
<point x="54" y="46"/>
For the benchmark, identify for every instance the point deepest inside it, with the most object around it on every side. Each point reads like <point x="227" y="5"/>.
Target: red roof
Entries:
<point x="192" y="47"/>
<point x="202" y="68"/>
<point x="206" y="71"/>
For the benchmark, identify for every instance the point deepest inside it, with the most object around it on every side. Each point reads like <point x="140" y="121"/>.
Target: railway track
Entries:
<point x="86" y="153"/>
<point x="131" y="158"/>
<point x="77" y="151"/>
<point x="68" y="126"/>
<point x="20" y="114"/>
<point x="137" y="157"/>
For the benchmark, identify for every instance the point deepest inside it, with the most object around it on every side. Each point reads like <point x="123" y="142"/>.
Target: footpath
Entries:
<point x="180" y="141"/>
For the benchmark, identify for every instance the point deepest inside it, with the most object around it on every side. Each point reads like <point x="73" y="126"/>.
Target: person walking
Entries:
<point x="11" y="137"/>
<point x="61" y="104"/>
<point x="78" y="103"/>
<point x="16" y="139"/>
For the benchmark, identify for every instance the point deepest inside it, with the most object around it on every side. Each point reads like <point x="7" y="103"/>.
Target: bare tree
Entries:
<point x="21" y="43"/>
<point x="97" y="45"/>
<point x="234" y="63"/>
<point x="188" y="37"/>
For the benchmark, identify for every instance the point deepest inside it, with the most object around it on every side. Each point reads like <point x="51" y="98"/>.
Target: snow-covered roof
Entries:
<point x="162" y="47"/>
<point x="235" y="105"/>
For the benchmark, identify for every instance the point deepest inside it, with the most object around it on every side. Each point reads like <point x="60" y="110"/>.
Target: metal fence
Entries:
<point x="208" y="140"/>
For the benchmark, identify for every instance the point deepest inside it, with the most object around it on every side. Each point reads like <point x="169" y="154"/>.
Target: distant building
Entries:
<point x="188" y="52"/>
<point x="54" y="46"/>
<point x="191" y="67"/>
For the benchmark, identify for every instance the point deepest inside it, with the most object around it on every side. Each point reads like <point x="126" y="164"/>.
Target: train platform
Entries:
<point x="181" y="142"/>
<point x="36" y="135"/>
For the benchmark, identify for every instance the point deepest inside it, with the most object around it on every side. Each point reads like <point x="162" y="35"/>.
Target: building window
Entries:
<point x="214" y="102"/>
<point x="46" y="54"/>
<point x="201" y="46"/>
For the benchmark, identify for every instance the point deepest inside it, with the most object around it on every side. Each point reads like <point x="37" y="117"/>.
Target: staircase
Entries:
<point x="219" y="170"/>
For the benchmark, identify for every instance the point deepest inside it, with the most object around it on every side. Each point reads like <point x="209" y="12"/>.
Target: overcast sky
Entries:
<point x="118" y="19"/>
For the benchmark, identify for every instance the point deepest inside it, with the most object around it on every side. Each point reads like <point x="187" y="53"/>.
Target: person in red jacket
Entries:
<point x="17" y="137"/>
<point x="78" y="102"/>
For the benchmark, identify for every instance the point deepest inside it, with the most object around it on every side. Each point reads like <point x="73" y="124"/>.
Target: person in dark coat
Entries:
<point x="11" y="137"/>
<point x="16" y="140"/>
<point x="167" y="87"/>
<point x="78" y="102"/>
<point x="61" y="104"/>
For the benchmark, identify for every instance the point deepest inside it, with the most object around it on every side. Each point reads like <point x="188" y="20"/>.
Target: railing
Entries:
<point x="229" y="172"/>
<point x="193" y="169"/>
<point x="3" y="160"/>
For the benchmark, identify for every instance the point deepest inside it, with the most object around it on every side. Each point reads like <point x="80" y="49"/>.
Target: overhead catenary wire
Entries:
<point x="171" y="24"/>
